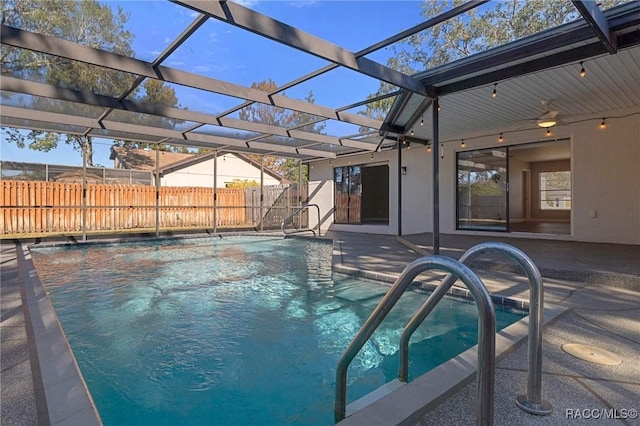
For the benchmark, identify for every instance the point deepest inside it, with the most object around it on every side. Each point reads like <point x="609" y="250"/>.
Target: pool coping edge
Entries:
<point x="67" y="397"/>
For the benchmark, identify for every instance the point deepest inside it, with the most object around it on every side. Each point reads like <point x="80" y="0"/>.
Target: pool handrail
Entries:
<point x="532" y="402"/>
<point x="296" y="212"/>
<point x="486" y="332"/>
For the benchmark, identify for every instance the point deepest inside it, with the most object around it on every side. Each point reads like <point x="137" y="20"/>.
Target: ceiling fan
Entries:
<point x="550" y="117"/>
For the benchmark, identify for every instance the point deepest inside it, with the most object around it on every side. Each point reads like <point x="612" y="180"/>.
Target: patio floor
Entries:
<point x="598" y="283"/>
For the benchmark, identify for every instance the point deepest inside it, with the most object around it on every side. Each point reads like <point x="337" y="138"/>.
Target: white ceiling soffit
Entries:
<point x="610" y="88"/>
<point x="527" y="71"/>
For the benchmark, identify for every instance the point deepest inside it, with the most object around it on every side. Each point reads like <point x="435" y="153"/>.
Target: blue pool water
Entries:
<point x="244" y="330"/>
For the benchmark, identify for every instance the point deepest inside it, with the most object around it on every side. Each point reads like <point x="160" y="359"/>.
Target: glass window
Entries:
<point x="555" y="190"/>
<point x="482" y="190"/>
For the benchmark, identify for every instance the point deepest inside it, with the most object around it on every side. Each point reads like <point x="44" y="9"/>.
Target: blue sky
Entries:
<point x="221" y="51"/>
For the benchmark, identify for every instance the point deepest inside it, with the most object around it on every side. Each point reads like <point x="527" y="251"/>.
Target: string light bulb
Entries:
<point x="462" y="144"/>
<point x="603" y="124"/>
<point x="582" y="70"/>
<point x="422" y="121"/>
<point x="408" y="145"/>
<point x="548" y="132"/>
<point x="411" y="131"/>
<point x="429" y="148"/>
<point x="500" y="138"/>
<point x="495" y="91"/>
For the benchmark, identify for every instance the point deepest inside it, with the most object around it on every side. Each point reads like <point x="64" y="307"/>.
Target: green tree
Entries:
<point x="480" y="29"/>
<point x="86" y="22"/>
<point x="154" y="92"/>
<point x="243" y="184"/>
<point x="275" y="116"/>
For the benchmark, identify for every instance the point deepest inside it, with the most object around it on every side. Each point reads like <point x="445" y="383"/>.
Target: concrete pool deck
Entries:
<point x="598" y="283"/>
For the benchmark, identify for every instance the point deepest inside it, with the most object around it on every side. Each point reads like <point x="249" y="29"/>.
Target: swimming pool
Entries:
<point x="243" y="330"/>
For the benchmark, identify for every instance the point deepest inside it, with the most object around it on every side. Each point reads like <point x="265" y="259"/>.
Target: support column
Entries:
<point x="300" y="193"/>
<point x="215" y="191"/>
<point x="400" y="185"/>
<point x="157" y="190"/>
<point x="436" y="177"/>
<point x="261" y="193"/>
<point x="84" y="192"/>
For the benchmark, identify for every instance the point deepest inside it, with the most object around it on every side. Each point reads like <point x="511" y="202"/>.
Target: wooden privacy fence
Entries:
<point x="40" y="207"/>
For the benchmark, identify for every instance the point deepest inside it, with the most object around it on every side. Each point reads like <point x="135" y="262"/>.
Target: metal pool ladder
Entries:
<point x="532" y="402"/>
<point x="486" y="331"/>
<point x="295" y="213"/>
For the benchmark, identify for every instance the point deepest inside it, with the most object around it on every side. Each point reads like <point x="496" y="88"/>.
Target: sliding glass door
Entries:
<point x="348" y="190"/>
<point x="482" y="190"/>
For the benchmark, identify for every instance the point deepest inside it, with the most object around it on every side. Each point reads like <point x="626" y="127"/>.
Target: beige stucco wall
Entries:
<point x="605" y="168"/>
<point x="230" y="167"/>
<point x="415" y="192"/>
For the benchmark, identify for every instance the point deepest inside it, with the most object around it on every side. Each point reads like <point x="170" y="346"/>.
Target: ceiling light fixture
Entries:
<point x="547" y="122"/>
<point x="582" y="70"/>
<point x="495" y="92"/>
<point x="603" y="124"/>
